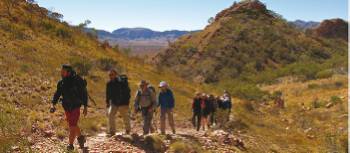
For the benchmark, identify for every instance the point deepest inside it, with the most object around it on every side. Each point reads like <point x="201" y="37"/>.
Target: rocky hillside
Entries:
<point x="333" y="28"/>
<point x="244" y="41"/>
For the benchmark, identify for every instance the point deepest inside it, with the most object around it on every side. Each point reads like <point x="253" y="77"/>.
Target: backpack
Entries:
<point x="150" y="87"/>
<point x="123" y="79"/>
<point x="80" y="88"/>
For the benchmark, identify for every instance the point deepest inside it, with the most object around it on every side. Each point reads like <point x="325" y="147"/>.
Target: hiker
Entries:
<point x="220" y="112"/>
<point x="204" y="110"/>
<point x="226" y="105"/>
<point x="145" y="101"/>
<point x="196" y="110"/>
<point x="166" y="102"/>
<point x="212" y="107"/>
<point x="73" y="90"/>
<point x="117" y="100"/>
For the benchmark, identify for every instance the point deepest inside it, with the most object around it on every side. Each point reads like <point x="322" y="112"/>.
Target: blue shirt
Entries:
<point x="166" y="99"/>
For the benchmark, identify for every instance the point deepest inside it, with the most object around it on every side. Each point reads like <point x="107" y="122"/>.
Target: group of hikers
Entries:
<point x="206" y="107"/>
<point x="72" y="92"/>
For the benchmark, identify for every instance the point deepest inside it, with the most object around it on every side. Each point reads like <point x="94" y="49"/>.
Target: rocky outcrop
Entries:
<point x="333" y="28"/>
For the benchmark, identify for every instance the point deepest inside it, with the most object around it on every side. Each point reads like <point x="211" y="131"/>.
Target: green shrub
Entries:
<point x="106" y="64"/>
<point x="184" y="147"/>
<point x="81" y="65"/>
<point x="25" y="68"/>
<point x="336" y="100"/>
<point x="63" y="33"/>
<point x="155" y="143"/>
<point x="324" y="74"/>
<point x="313" y="86"/>
<point x="179" y="147"/>
<point x="47" y="25"/>
<point x="317" y="103"/>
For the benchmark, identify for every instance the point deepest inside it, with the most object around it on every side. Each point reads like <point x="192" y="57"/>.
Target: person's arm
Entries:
<point x="85" y="97"/>
<point x="57" y="94"/>
<point x="137" y="101"/>
<point x="128" y="92"/>
<point x="153" y="99"/>
<point x="172" y="99"/>
<point x="158" y="100"/>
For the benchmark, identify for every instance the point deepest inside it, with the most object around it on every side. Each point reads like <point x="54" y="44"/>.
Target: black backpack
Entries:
<point x="125" y="84"/>
<point x="80" y="88"/>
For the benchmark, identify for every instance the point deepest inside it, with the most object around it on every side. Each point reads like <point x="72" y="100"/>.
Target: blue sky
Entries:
<point x="180" y="14"/>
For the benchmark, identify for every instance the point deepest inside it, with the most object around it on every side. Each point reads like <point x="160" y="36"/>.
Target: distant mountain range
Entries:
<point x="140" y="40"/>
<point x="303" y="25"/>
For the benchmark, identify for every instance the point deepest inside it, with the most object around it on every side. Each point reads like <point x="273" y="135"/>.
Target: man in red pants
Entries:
<point x="73" y="90"/>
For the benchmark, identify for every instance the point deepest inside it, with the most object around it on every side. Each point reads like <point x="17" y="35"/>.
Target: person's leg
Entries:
<point x="194" y="119"/>
<point x="205" y="122"/>
<point x="171" y="120"/>
<point x="202" y="121"/>
<point x="198" y="116"/>
<point x="145" y="117"/>
<point x="72" y="135"/>
<point x="72" y="118"/>
<point x="147" y="121"/>
<point x="111" y="119"/>
<point x="124" y="112"/>
<point x="162" y="120"/>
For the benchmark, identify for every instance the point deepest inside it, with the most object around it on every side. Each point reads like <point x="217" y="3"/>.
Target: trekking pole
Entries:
<point x="93" y="101"/>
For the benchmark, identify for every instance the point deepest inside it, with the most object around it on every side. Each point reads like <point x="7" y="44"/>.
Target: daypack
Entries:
<point x="124" y="80"/>
<point x="80" y="88"/>
<point x="152" y="89"/>
<point x="148" y="95"/>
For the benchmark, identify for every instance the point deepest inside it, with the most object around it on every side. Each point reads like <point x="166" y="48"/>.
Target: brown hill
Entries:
<point x="244" y="40"/>
<point x="333" y="28"/>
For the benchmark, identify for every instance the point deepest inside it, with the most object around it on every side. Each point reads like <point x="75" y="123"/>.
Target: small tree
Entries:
<point x="55" y="15"/>
<point x="211" y="20"/>
<point x="85" y="24"/>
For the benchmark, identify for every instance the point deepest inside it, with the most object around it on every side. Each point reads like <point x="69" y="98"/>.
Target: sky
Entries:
<point x="180" y="14"/>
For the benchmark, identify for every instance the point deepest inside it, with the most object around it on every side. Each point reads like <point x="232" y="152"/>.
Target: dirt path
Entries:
<point x="214" y="141"/>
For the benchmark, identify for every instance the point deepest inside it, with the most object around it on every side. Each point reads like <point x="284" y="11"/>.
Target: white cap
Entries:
<point x="163" y="84"/>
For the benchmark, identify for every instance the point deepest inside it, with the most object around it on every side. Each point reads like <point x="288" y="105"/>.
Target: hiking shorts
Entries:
<point x="72" y="117"/>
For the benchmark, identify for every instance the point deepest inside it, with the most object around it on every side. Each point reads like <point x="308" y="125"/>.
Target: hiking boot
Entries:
<point x="110" y="134"/>
<point x="70" y="147"/>
<point x="81" y="140"/>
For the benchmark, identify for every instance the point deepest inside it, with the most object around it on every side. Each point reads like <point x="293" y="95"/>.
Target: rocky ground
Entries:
<point x="211" y="141"/>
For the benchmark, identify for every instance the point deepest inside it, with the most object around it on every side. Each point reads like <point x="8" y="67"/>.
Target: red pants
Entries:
<point x="72" y="117"/>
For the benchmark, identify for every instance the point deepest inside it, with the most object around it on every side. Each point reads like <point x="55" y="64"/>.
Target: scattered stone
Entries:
<point x="329" y="105"/>
<point x="48" y="133"/>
